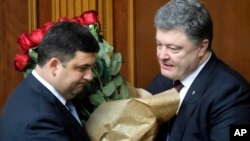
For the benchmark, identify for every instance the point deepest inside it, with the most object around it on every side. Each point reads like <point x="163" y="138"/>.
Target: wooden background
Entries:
<point x="133" y="34"/>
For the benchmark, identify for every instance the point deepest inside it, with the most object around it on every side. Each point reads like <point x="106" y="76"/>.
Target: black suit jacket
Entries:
<point x="218" y="98"/>
<point x="32" y="112"/>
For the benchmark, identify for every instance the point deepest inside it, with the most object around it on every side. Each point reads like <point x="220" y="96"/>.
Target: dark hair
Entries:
<point x="63" y="40"/>
<point x="189" y="15"/>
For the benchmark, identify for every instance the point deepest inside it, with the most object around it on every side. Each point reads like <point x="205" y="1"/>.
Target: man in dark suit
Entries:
<point x="213" y="96"/>
<point x="37" y="108"/>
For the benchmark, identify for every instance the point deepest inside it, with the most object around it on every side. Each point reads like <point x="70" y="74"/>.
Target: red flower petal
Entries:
<point x="90" y="17"/>
<point x="36" y="36"/>
<point x="21" y="61"/>
<point x="47" y="26"/>
<point x="24" y="42"/>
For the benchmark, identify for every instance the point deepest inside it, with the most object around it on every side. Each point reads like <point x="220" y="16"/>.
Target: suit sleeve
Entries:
<point x="47" y="128"/>
<point x="231" y="107"/>
<point x="159" y="84"/>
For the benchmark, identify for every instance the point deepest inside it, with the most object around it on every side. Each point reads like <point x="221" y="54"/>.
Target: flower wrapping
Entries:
<point x="134" y="119"/>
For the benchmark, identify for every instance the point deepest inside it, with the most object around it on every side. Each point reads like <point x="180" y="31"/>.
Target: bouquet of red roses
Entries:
<point x="28" y="42"/>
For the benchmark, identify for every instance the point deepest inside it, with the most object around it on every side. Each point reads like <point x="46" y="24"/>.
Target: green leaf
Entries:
<point x="106" y="77"/>
<point x="109" y="89"/>
<point x="116" y="63"/>
<point x="108" y="48"/>
<point x="97" y="99"/>
<point x="107" y="60"/>
<point x="99" y="68"/>
<point x="33" y="54"/>
<point x="103" y="55"/>
<point x="94" y="29"/>
<point x="124" y="91"/>
<point x="115" y="96"/>
<point x="31" y="65"/>
<point x="118" y="80"/>
<point x="27" y="72"/>
<point x="102" y="51"/>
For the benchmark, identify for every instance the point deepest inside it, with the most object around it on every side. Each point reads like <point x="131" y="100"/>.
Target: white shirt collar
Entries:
<point x="190" y="78"/>
<point x="50" y="87"/>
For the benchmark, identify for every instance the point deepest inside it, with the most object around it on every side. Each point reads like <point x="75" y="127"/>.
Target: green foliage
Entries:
<point x="33" y="61"/>
<point x="33" y="54"/>
<point x="108" y="84"/>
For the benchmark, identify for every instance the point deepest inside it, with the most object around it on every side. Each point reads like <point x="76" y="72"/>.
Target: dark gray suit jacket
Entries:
<point x="221" y="98"/>
<point x="32" y="112"/>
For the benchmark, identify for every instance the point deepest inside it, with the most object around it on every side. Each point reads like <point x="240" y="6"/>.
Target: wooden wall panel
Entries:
<point x="232" y="33"/>
<point x="44" y="12"/>
<point x="146" y="65"/>
<point x="124" y="35"/>
<point x="72" y="8"/>
<point x="14" y="20"/>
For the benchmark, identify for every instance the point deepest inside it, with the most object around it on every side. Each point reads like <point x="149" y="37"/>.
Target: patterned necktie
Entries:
<point x="71" y="107"/>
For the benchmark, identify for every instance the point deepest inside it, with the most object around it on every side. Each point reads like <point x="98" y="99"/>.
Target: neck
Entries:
<point x="42" y="73"/>
<point x="205" y="57"/>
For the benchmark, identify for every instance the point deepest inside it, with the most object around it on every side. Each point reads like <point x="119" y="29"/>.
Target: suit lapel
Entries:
<point x="78" y="129"/>
<point x="191" y="100"/>
<point x="44" y="92"/>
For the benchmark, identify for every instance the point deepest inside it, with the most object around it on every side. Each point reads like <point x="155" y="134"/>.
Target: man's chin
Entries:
<point x="167" y="74"/>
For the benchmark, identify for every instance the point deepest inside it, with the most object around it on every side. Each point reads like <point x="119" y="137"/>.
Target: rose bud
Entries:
<point x="90" y="17"/>
<point x="79" y="19"/>
<point x="36" y="36"/>
<point x="24" y="42"/>
<point x="21" y="61"/>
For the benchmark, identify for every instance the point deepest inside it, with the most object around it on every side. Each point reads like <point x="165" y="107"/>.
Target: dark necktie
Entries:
<point x="178" y="86"/>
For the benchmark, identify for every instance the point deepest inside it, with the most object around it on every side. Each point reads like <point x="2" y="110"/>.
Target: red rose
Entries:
<point x="90" y="17"/>
<point x="79" y="19"/>
<point x="21" y="61"/>
<point x="36" y="36"/>
<point x="24" y="42"/>
<point x="47" y="26"/>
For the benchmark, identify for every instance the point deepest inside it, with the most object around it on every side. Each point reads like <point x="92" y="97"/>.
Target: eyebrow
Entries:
<point x="169" y="44"/>
<point x="87" y="65"/>
<point x="174" y="45"/>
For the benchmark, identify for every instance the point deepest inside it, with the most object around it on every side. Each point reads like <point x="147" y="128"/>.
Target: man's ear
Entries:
<point x="53" y="65"/>
<point x="203" y="47"/>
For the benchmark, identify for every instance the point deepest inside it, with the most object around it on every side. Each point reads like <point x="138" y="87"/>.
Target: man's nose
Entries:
<point x="88" y="75"/>
<point x="163" y="53"/>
